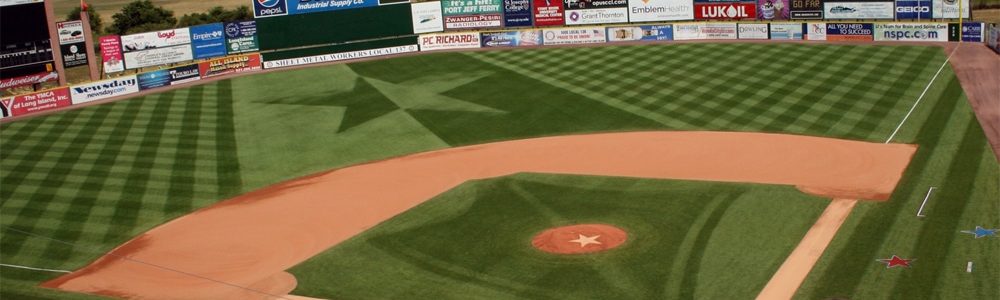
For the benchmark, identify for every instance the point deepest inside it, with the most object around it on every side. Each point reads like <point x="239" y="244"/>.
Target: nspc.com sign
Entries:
<point x="912" y="32"/>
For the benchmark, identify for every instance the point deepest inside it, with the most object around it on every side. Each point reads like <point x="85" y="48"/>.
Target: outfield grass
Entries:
<point x="97" y="176"/>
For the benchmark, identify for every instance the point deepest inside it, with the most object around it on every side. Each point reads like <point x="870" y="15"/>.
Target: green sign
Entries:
<point x="471" y="7"/>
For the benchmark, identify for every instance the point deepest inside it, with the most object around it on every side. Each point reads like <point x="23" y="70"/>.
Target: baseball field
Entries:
<point x="77" y="185"/>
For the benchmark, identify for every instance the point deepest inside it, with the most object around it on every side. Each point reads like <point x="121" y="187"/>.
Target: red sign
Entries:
<point x="549" y="12"/>
<point x="28" y="79"/>
<point x="229" y="65"/>
<point x="724" y="11"/>
<point x="111" y="54"/>
<point x="37" y="102"/>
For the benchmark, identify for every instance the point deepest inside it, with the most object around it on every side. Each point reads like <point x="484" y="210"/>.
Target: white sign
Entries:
<point x="444" y="41"/>
<point x="158" y="56"/>
<point x="427" y="17"/>
<point x="17" y="2"/>
<point x="859" y="10"/>
<point x="816" y="31"/>
<point x="597" y="16"/>
<point x="104" y="89"/>
<point x="159" y="39"/>
<point x="281" y="63"/>
<point x="948" y="9"/>
<point x="786" y="31"/>
<point x="754" y="31"/>
<point x="706" y="31"/>
<point x="70" y="32"/>
<point x="577" y="35"/>
<point x="936" y="32"/>
<point x="660" y="10"/>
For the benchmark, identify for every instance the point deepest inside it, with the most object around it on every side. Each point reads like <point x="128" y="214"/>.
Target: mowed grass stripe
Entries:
<point x="228" y="164"/>
<point x="877" y="115"/>
<point x="180" y="191"/>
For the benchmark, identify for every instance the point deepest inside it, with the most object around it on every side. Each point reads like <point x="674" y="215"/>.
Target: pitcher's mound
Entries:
<point x="581" y="238"/>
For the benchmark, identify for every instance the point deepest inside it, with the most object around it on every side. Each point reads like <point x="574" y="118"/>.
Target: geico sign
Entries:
<point x="913" y="9"/>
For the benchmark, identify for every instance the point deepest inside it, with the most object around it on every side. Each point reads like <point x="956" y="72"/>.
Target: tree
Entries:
<point x="215" y="15"/>
<point x="141" y="16"/>
<point x="96" y="24"/>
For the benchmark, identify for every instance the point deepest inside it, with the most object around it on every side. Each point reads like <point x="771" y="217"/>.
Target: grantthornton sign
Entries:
<point x="282" y="63"/>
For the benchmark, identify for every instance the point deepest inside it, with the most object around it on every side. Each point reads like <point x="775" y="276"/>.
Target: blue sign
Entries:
<point x="913" y="9"/>
<point x="640" y="33"/>
<point x="511" y="38"/>
<point x="269" y="8"/>
<point x="154" y="79"/>
<point x="858" y="29"/>
<point x="516" y="13"/>
<point x="208" y="41"/>
<point x="972" y="32"/>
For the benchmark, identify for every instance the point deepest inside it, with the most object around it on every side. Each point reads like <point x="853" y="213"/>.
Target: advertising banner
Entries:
<point x="948" y="9"/>
<point x="548" y="12"/>
<point x="104" y="89"/>
<point x="182" y="74"/>
<point x="271" y="8"/>
<point x="816" y="31"/>
<point x="706" y="31"/>
<point x="805" y="9"/>
<point x="859" y="10"/>
<point x="74" y="54"/>
<point x="445" y="41"/>
<point x="464" y="14"/>
<point x="154" y="79"/>
<point x="282" y="63"/>
<point x="913" y="9"/>
<point x="912" y="32"/>
<point x="516" y="13"/>
<point x="158" y="39"/>
<point x="158" y="56"/>
<point x="241" y="37"/>
<point x="36" y="102"/>
<point x="972" y="32"/>
<point x="70" y="32"/>
<point x="229" y="65"/>
<point x="512" y="38"/>
<point x="849" y="32"/>
<point x="641" y="33"/>
<point x="773" y="10"/>
<point x="725" y="10"/>
<point x="208" y="41"/>
<point x="578" y="35"/>
<point x="994" y="38"/>
<point x="786" y="31"/>
<point x="111" y="54"/>
<point x="596" y="11"/>
<point x="660" y="10"/>
<point x="427" y="17"/>
<point x="752" y="31"/>
<point x="30" y="79"/>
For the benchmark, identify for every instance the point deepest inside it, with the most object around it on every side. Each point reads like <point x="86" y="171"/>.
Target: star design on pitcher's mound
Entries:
<point x="581" y="238"/>
<point x="895" y="261"/>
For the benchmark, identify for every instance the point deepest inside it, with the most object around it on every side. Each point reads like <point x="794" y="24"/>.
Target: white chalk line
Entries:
<point x="920" y="212"/>
<point x="35" y="269"/>
<point x="928" y="87"/>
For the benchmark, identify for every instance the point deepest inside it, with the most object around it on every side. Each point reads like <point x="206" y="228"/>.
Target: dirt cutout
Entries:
<point x="579" y="239"/>
<point x="239" y="248"/>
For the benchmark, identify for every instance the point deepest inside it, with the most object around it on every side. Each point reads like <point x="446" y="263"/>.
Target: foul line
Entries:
<point x="36" y="269"/>
<point x="928" y="87"/>
<point x="920" y="212"/>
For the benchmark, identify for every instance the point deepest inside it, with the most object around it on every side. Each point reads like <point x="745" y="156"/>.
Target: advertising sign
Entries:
<point x="241" y="37"/>
<point x="948" y="9"/>
<point x="157" y="56"/>
<point x="70" y="32"/>
<point x="158" y="39"/>
<point x="271" y="8"/>
<point x="74" y="54"/>
<point x="994" y="38"/>
<point x="706" y="31"/>
<point x="36" y="102"/>
<point x="754" y="31"/>
<point x="427" y="17"/>
<point x="111" y="54"/>
<point x="849" y="32"/>
<point x="805" y="9"/>
<point x="182" y="74"/>
<point x="596" y="11"/>
<point x="282" y="63"/>
<point x="229" y="65"/>
<point x="208" y="41"/>
<point x="641" y="33"/>
<point x="104" y="89"/>
<point x="25" y="46"/>
<point x="28" y="79"/>
<point x="724" y="10"/>
<point x="858" y="10"/>
<point x="660" y="10"/>
<point x="578" y="35"/>
<point x="548" y="13"/>
<point x="913" y="9"/>
<point x="154" y="79"/>
<point x="816" y="31"/>
<point x="786" y="31"/>
<point x="445" y="41"/>
<point x="773" y="10"/>
<point x="516" y="13"/>
<point x="912" y="32"/>
<point x="972" y="32"/>
<point x="463" y="14"/>
<point x="512" y="38"/>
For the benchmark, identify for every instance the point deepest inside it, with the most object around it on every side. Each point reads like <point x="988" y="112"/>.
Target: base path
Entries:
<point x="241" y="247"/>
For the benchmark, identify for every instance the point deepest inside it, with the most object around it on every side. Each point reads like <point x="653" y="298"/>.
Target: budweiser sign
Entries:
<point x="28" y="79"/>
<point x="717" y="11"/>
